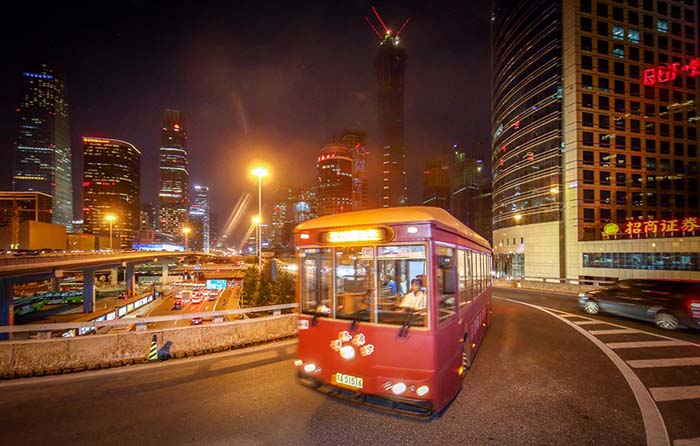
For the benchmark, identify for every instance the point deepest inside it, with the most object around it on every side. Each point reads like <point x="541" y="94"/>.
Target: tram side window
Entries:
<point x="447" y="282"/>
<point x="465" y="294"/>
<point x="354" y="282"/>
<point x="397" y="265"/>
<point x="316" y="281"/>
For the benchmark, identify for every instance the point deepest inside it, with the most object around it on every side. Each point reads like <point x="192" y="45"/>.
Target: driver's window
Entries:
<point x="316" y="280"/>
<point x="398" y="303"/>
<point x="354" y="282"/>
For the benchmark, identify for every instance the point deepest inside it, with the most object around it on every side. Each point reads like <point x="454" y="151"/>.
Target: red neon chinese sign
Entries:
<point x="669" y="72"/>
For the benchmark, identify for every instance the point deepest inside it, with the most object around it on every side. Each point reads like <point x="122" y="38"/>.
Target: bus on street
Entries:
<point x="394" y="304"/>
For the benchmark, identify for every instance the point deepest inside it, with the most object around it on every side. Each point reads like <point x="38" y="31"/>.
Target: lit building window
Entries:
<point x="618" y="33"/>
<point x="633" y="36"/>
<point x="662" y="26"/>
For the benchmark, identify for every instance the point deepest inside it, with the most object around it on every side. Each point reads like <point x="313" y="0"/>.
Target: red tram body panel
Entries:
<point x="393" y="305"/>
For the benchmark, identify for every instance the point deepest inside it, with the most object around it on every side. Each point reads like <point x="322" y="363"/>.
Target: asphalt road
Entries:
<point x="535" y="381"/>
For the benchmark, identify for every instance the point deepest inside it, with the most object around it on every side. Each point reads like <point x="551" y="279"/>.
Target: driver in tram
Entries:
<point x="415" y="299"/>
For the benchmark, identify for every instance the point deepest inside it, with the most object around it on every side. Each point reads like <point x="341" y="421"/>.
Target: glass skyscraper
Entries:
<point x="111" y="186"/>
<point x="595" y="139"/>
<point x="174" y="176"/>
<point x="43" y="161"/>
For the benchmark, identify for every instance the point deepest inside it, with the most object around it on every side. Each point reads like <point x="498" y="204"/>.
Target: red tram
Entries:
<point x="372" y="333"/>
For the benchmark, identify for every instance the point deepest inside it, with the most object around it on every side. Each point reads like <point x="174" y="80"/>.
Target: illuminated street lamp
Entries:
<point x="517" y="218"/>
<point x="259" y="172"/>
<point x="186" y="231"/>
<point x="110" y="218"/>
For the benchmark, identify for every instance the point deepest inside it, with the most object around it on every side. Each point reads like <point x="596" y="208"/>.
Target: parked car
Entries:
<point x="670" y="304"/>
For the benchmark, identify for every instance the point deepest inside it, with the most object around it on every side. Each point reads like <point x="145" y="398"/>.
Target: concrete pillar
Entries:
<point x="88" y="291"/>
<point x="55" y="284"/>
<point x="7" y="311"/>
<point x="129" y="279"/>
<point x="114" y="276"/>
<point x="164" y="278"/>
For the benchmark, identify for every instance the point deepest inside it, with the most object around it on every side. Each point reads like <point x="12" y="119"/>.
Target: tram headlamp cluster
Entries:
<point x="309" y="367"/>
<point x="400" y="388"/>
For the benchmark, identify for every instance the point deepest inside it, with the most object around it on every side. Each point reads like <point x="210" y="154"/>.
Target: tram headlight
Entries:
<point x="398" y="388"/>
<point x="309" y="367"/>
<point x="347" y="352"/>
<point x="422" y="390"/>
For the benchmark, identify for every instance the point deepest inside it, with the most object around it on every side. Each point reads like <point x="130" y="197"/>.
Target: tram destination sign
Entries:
<point x="356" y="235"/>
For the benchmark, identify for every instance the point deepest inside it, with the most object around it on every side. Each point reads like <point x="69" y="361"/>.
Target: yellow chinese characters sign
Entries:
<point x="660" y="227"/>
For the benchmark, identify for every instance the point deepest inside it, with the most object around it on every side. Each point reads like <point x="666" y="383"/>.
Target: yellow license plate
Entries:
<point x="348" y="380"/>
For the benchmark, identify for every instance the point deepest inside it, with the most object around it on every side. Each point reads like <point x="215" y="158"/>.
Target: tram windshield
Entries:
<point x="369" y="284"/>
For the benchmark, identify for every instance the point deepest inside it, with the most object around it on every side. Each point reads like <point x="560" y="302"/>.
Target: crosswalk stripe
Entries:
<point x="644" y="344"/>
<point x="687" y="442"/>
<point x="675" y="393"/>
<point x="588" y="322"/>
<point x="612" y="331"/>
<point x="667" y="362"/>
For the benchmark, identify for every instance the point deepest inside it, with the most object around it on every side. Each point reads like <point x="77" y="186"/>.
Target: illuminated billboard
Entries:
<point x="216" y="284"/>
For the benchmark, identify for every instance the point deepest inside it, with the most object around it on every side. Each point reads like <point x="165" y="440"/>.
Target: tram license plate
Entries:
<point x="348" y="380"/>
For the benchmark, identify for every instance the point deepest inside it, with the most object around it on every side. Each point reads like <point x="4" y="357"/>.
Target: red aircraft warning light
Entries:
<point x="384" y="26"/>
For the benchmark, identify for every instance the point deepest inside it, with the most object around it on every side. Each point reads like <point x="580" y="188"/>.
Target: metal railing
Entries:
<point x="142" y="322"/>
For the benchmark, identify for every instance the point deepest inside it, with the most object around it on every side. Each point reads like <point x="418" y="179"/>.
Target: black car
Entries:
<point x="670" y="304"/>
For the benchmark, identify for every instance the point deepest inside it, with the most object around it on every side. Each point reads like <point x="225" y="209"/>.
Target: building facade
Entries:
<point x="355" y="141"/>
<point x="293" y="205"/>
<point x="334" y="166"/>
<point x="436" y="182"/>
<point x="173" y="200"/>
<point x="595" y="135"/>
<point x="390" y="67"/>
<point x="111" y="186"/>
<point x="42" y="156"/>
<point x="200" y="239"/>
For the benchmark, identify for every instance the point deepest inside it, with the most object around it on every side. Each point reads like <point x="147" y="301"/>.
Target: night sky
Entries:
<point x="254" y="80"/>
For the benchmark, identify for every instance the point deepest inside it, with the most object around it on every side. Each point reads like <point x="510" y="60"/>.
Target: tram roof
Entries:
<point x="395" y="215"/>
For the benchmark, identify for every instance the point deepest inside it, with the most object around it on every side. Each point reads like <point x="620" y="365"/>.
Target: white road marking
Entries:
<point x="654" y="427"/>
<point x="613" y="331"/>
<point x="665" y="362"/>
<point x="687" y="442"/>
<point x="675" y="393"/>
<point x="645" y="344"/>
<point x="588" y="322"/>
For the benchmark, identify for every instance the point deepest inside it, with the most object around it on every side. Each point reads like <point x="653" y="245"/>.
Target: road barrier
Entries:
<point x="62" y="355"/>
<point x="571" y="286"/>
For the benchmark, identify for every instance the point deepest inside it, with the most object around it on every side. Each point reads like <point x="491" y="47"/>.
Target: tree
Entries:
<point x="283" y="289"/>
<point x="264" y="295"/>
<point x="249" y="287"/>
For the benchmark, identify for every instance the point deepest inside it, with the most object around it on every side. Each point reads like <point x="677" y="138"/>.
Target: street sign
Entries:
<point x="216" y="284"/>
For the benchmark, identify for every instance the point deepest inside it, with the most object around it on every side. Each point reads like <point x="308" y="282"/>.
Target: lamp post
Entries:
<point x="186" y="231"/>
<point x="259" y="172"/>
<point x="110" y="218"/>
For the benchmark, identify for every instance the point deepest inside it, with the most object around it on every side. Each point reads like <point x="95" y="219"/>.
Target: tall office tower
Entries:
<point x="111" y="187"/>
<point x="355" y="141"/>
<point x="199" y="219"/>
<point x="595" y="138"/>
<point x="174" y="176"/>
<point x="334" y="168"/>
<point x="469" y="181"/>
<point x="148" y="217"/>
<point x="436" y="182"/>
<point x="293" y="205"/>
<point x="43" y="160"/>
<point x="390" y="68"/>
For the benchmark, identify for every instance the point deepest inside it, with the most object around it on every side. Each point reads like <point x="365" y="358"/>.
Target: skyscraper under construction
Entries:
<point x="390" y="67"/>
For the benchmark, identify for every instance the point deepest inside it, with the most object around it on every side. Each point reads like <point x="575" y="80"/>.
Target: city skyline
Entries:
<point x="233" y="110"/>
